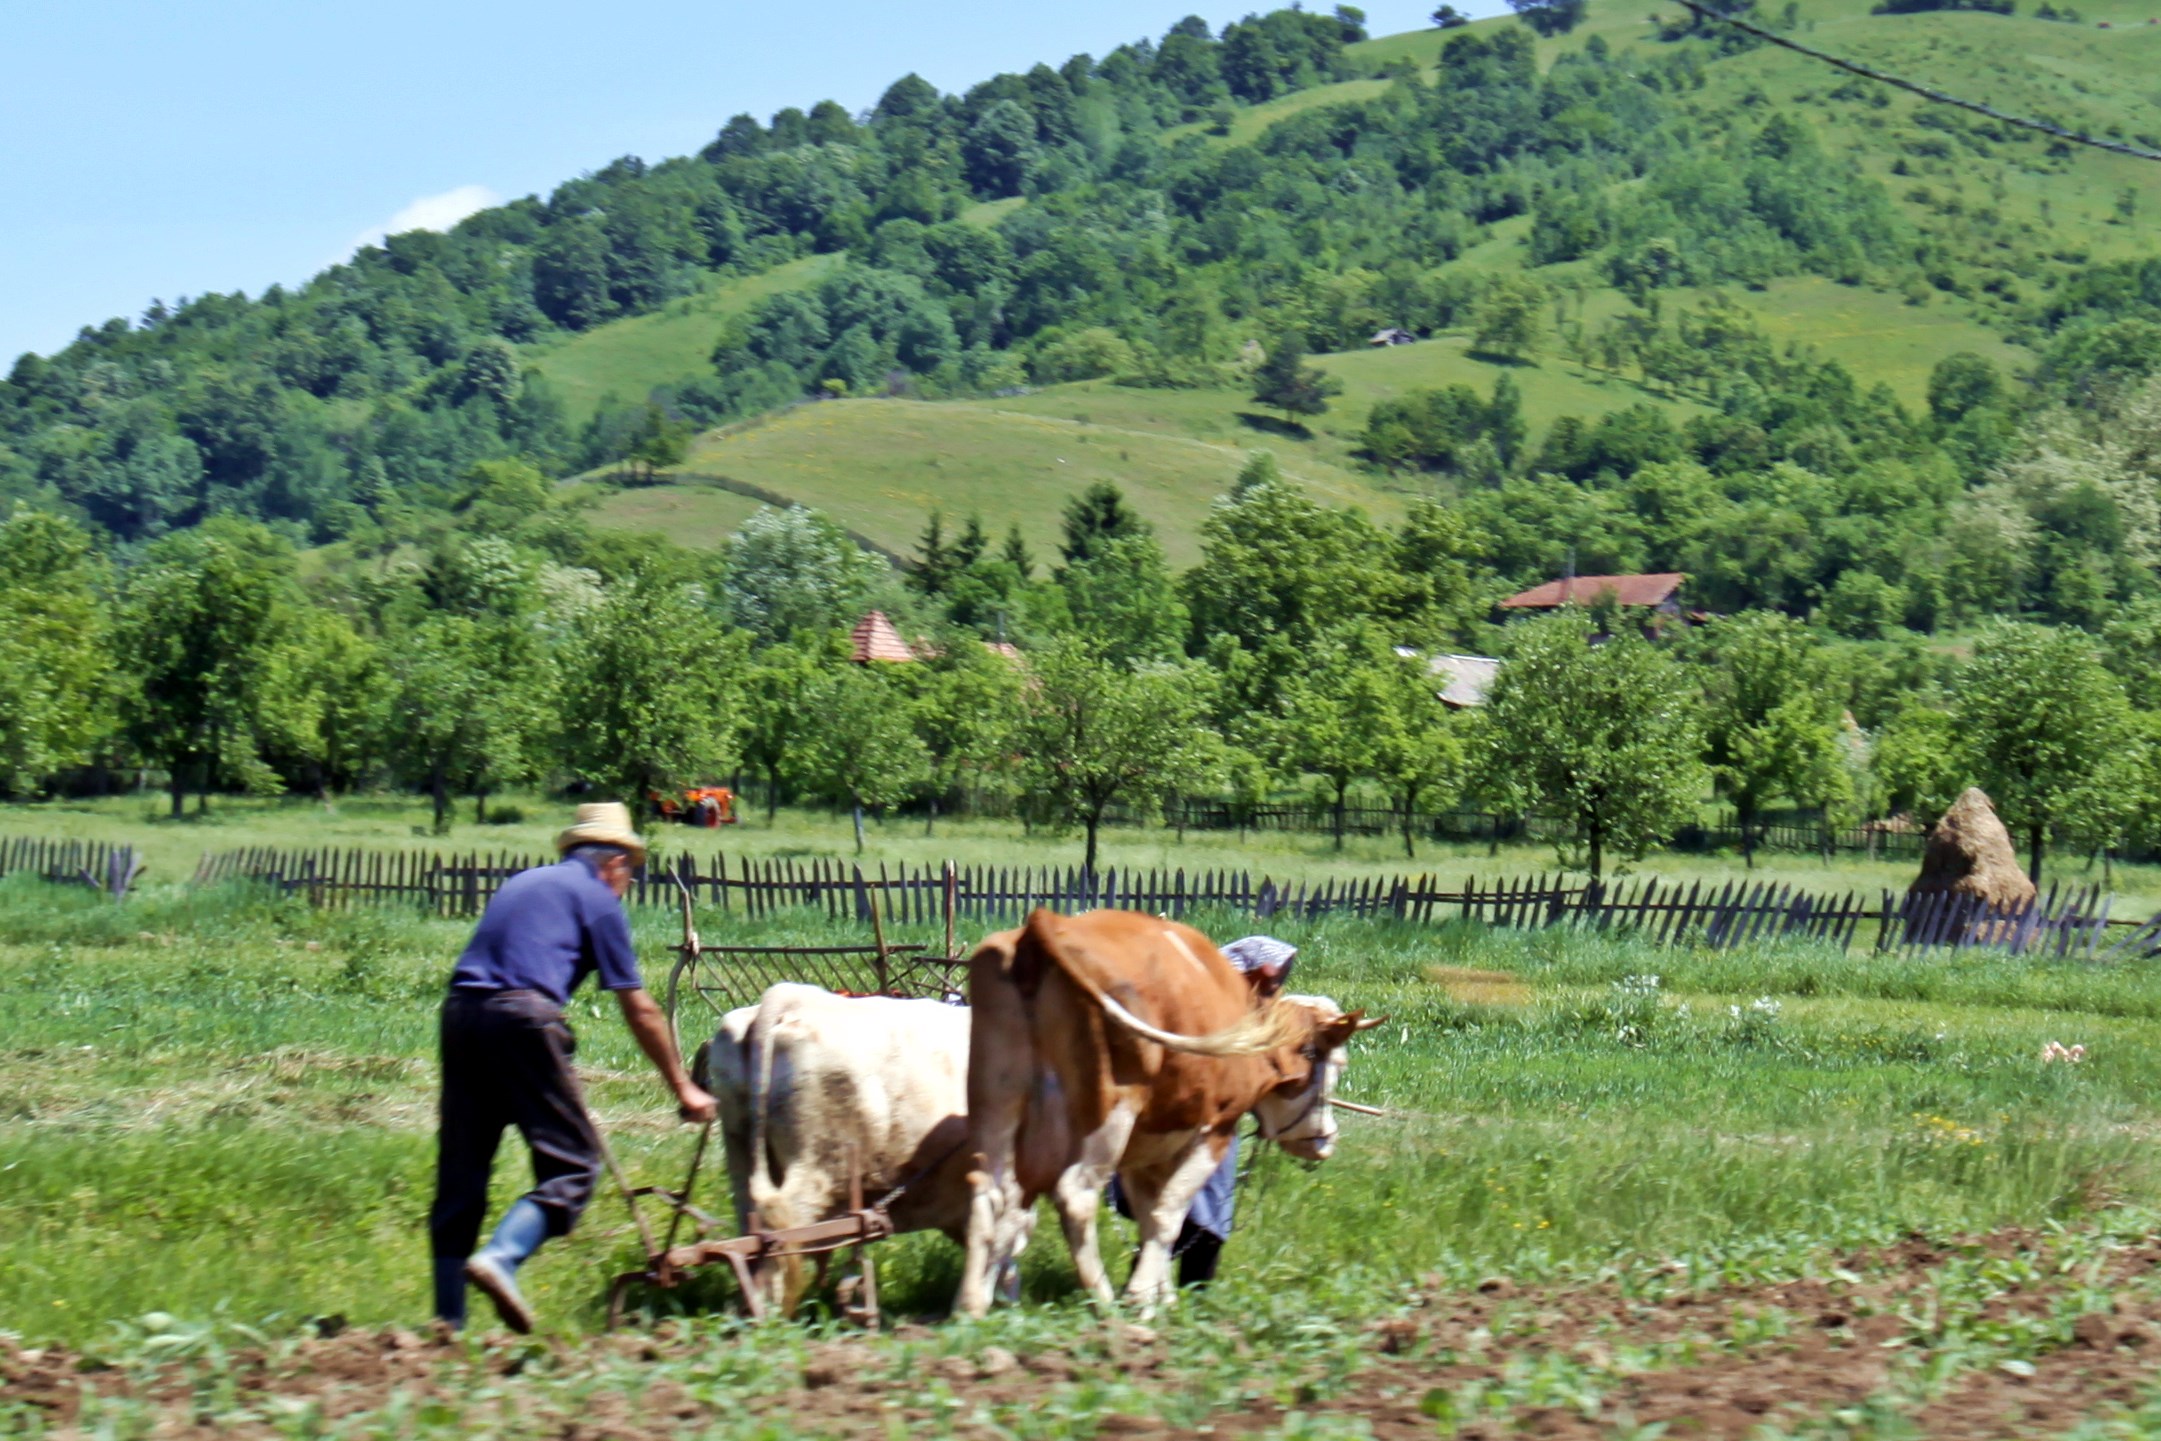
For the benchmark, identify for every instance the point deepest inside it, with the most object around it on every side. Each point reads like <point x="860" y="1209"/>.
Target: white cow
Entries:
<point x="810" y="1083"/>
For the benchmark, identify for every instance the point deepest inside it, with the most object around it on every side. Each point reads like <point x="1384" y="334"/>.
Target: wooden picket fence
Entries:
<point x="100" y="865"/>
<point x="2065" y="922"/>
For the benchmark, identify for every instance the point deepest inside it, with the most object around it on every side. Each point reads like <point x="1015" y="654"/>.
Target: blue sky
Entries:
<point x="161" y="150"/>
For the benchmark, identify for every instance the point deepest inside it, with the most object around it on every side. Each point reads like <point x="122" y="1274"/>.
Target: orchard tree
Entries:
<point x="862" y="750"/>
<point x="1918" y="763"/>
<point x="1421" y="756"/>
<point x="1336" y="714"/>
<point x="2039" y="719"/>
<point x="1285" y="382"/>
<point x="1771" y="718"/>
<point x="1604" y="736"/>
<point x="773" y="699"/>
<point x="647" y="700"/>
<point x="57" y="680"/>
<point x="325" y="703"/>
<point x="965" y="698"/>
<point x="1094" y="734"/>
<point x="199" y="620"/>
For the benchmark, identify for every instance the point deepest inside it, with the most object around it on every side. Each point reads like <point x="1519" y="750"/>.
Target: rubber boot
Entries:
<point x="495" y="1268"/>
<point x="450" y="1290"/>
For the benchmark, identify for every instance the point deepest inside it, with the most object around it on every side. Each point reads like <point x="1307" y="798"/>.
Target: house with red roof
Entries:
<point x="1660" y="592"/>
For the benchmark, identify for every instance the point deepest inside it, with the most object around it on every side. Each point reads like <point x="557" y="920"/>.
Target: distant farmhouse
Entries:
<point x="1660" y="593"/>
<point x="1656" y="598"/>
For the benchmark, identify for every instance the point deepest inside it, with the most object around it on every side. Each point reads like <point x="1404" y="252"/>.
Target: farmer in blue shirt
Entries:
<point x="507" y="1050"/>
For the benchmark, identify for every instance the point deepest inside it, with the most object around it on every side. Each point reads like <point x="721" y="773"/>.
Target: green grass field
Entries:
<point x="1617" y="1175"/>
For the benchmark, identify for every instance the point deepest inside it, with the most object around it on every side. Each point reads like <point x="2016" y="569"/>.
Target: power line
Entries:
<point x="1867" y="72"/>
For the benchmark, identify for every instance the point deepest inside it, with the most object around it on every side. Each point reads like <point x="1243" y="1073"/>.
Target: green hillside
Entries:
<point x="2026" y="211"/>
<point x="1744" y="249"/>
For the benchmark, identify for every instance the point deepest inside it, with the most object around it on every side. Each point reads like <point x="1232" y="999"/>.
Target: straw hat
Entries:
<point x="603" y="823"/>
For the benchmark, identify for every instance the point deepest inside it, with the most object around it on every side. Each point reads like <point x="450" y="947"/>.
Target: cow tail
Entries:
<point x="767" y="1197"/>
<point x="764" y="1182"/>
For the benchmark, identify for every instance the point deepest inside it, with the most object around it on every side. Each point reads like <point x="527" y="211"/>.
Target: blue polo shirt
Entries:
<point x="546" y="930"/>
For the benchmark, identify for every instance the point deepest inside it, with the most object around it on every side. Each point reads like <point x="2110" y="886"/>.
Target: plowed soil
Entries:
<point x="1715" y="1363"/>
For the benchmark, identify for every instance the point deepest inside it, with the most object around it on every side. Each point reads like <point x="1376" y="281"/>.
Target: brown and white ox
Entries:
<point x="1116" y="1042"/>
<point x="811" y="1083"/>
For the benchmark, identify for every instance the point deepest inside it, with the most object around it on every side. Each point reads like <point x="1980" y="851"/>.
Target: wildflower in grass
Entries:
<point x="2057" y="1051"/>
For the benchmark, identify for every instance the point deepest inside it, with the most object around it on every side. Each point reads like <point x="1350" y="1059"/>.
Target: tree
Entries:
<point x="57" y="680"/>
<point x="659" y="440"/>
<point x="1510" y="318"/>
<point x="862" y="751"/>
<point x="934" y="565"/>
<point x="1097" y="514"/>
<point x="795" y="570"/>
<point x="1604" y="736"/>
<point x="1094" y="734"/>
<point x="1122" y="597"/>
<point x="1285" y="382"/>
<point x="1771" y="718"/>
<point x="965" y="700"/>
<point x="1275" y="563"/>
<point x="1917" y="763"/>
<point x="1549" y="17"/>
<point x="199" y="620"/>
<point x="1448" y="17"/>
<point x="773" y="695"/>
<point x="1335" y="714"/>
<point x="324" y="712"/>
<point x="1421" y="755"/>
<point x="1000" y="150"/>
<point x="647" y="704"/>
<point x="2039" y="718"/>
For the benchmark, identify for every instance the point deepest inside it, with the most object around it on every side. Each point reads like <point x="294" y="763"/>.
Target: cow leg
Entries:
<point x="1079" y="1197"/>
<point x="994" y="1201"/>
<point x="1159" y="1210"/>
<point x="1001" y="1078"/>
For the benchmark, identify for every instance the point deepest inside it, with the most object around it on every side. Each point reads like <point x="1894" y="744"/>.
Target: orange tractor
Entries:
<point x="708" y="806"/>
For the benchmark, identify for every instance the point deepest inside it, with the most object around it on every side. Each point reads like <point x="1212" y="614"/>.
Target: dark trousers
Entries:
<point x="506" y="1062"/>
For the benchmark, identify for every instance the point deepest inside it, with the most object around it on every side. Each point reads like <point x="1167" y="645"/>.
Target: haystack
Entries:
<point x="1970" y="853"/>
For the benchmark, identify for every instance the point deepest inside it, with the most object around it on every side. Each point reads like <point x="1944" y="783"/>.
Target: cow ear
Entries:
<point x="1369" y="1022"/>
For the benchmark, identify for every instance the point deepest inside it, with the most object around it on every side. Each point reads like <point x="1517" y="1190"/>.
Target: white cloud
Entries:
<point x="430" y="212"/>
